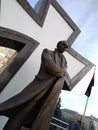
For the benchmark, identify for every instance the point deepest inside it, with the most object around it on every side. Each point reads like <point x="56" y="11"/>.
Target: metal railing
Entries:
<point x="60" y="126"/>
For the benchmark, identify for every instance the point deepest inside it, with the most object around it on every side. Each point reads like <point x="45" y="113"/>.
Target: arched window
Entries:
<point x="15" y="48"/>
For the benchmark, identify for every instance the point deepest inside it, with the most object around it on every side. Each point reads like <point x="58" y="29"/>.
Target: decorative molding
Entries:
<point x="40" y="17"/>
<point x="83" y="72"/>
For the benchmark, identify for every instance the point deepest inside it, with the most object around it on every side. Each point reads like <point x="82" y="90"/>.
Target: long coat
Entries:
<point x="35" y="98"/>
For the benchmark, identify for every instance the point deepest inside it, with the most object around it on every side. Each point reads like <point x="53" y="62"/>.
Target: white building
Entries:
<point x="28" y="32"/>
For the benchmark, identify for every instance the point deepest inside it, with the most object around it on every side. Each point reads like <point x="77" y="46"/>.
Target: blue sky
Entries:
<point x="85" y="15"/>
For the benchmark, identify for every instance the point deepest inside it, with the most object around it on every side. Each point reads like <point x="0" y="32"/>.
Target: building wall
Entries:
<point x="14" y="17"/>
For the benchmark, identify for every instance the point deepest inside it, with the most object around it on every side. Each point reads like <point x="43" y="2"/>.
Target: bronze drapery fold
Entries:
<point x="46" y="112"/>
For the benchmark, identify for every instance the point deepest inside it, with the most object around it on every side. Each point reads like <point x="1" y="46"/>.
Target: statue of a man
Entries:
<point x="33" y="104"/>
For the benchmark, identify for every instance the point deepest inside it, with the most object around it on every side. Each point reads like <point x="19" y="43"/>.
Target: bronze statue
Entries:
<point x="34" y="106"/>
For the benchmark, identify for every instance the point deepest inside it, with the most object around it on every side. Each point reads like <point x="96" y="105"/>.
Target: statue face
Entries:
<point x="61" y="47"/>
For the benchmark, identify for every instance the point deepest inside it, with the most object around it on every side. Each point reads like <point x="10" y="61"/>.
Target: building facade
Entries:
<point x="28" y="31"/>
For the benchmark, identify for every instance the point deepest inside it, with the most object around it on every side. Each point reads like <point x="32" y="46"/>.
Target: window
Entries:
<point x="36" y="4"/>
<point x="6" y="56"/>
<point x="37" y="9"/>
<point x="15" y="48"/>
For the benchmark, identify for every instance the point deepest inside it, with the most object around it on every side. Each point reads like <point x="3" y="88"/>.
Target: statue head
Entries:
<point x="62" y="46"/>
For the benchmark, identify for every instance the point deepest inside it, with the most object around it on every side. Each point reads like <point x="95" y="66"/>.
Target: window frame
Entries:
<point x="29" y="45"/>
<point x="38" y="17"/>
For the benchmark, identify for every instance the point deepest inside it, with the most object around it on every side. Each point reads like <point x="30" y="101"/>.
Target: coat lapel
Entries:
<point x="59" y="60"/>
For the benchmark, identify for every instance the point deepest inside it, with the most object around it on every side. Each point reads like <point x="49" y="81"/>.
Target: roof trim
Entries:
<point x="40" y="17"/>
<point x="88" y="65"/>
